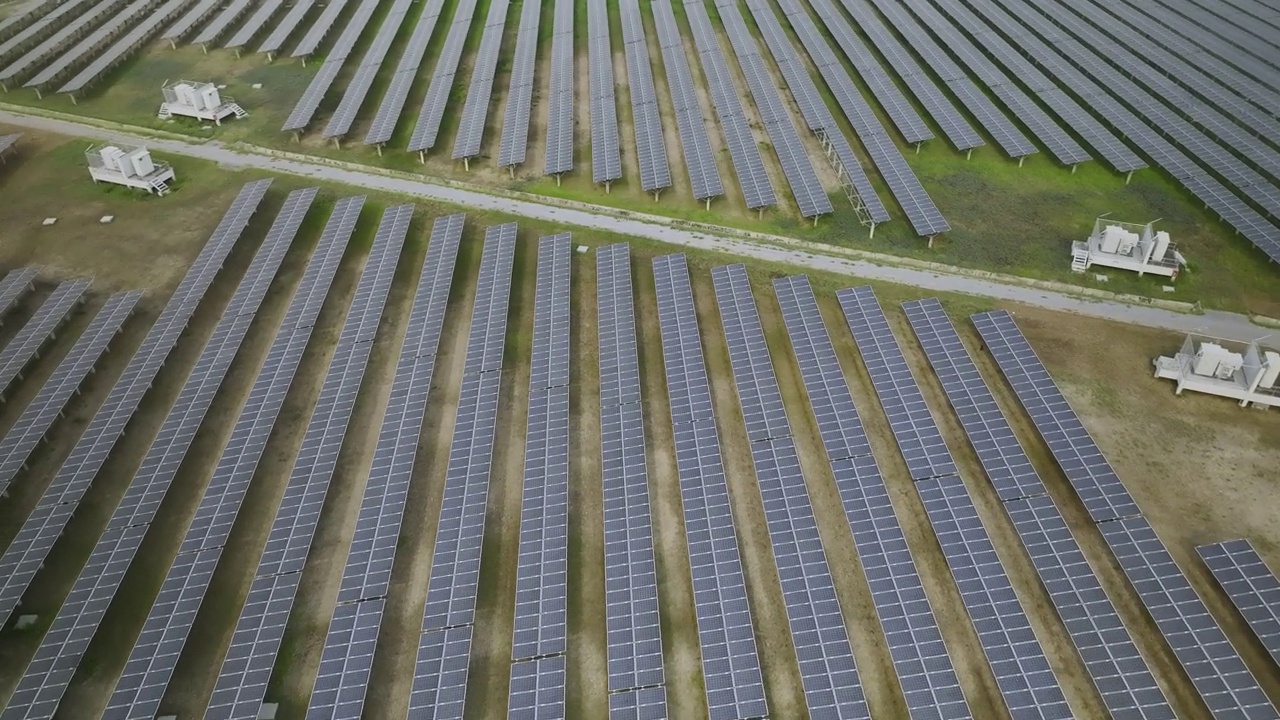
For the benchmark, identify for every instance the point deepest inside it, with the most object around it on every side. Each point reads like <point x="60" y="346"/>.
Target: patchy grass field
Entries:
<point x="1201" y="468"/>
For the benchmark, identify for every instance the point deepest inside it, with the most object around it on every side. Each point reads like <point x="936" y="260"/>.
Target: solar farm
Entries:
<point x="545" y="360"/>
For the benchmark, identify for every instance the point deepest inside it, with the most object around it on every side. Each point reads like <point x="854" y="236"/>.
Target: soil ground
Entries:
<point x="1201" y="468"/>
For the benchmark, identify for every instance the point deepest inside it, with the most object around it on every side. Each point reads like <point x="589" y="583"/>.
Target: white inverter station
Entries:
<point x="1128" y="246"/>
<point x="199" y="100"/>
<point x="129" y="166"/>
<point x="1249" y="374"/>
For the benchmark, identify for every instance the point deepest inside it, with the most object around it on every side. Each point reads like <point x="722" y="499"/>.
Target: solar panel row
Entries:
<point x="919" y="208"/>
<point x="1022" y="672"/>
<point x="757" y="189"/>
<point x="700" y="162"/>
<point x="155" y="654"/>
<point x="651" y="150"/>
<point x="810" y="196"/>
<point x="440" y="671"/>
<point x="253" y="26"/>
<point x="730" y="662"/>
<point x="606" y="160"/>
<point x="900" y="110"/>
<point x="25" y="346"/>
<point x="26" y="553"/>
<point x="88" y="17"/>
<point x="541" y="606"/>
<point x="1146" y="127"/>
<point x="193" y="17"/>
<point x="16" y="284"/>
<point x="954" y="126"/>
<point x="475" y="110"/>
<point x="827" y="668"/>
<point x="45" y="408"/>
<point x="90" y="44"/>
<point x="1118" y="670"/>
<point x="42" y="686"/>
<point x="319" y="29"/>
<point x="24" y="15"/>
<point x="925" y="672"/>
<point x="384" y="121"/>
<point x="1226" y="684"/>
<point x="631" y="581"/>
<point x="437" y="97"/>
<point x="358" y="88"/>
<point x="560" y="102"/>
<point x="41" y="28"/>
<point x="224" y="20"/>
<point x="125" y="46"/>
<point x="286" y="27"/>
<point x="343" y="678"/>
<point x="515" y="121"/>
<point x="1250" y="584"/>
<point x="242" y="680"/>
<point x="305" y="109"/>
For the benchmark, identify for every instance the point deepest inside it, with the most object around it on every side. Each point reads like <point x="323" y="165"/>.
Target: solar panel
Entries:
<point x="537" y="689"/>
<point x="242" y="680"/>
<point x="475" y="110"/>
<point x="1021" y="670"/>
<point x="651" y="150"/>
<point x="225" y="19"/>
<point x="16" y="283"/>
<point x="340" y="687"/>
<point x="26" y="553"/>
<point x="515" y="121"/>
<point x="319" y="29"/>
<point x="541" y="607"/>
<point x="151" y="663"/>
<point x="730" y="664"/>
<point x="320" y="83"/>
<point x="827" y="669"/>
<point x="25" y="346"/>
<point x="700" y="162"/>
<point x="86" y="17"/>
<point x="194" y="16"/>
<point x="439" y="678"/>
<point x="756" y="187"/>
<point x="1250" y="584"/>
<point x="560" y="99"/>
<point x="1118" y="671"/>
<point x="126" y="45"/>
<point x="1228" y="687"/>
<point x="89" y="44"/>
<point x="631" y="582"/>
<point x="796" y="166"/>
<point x="384" y="122"/>
<point x="48" y="404"/>
<point x="1081" y="460"/>
<point x="286" y="27"/>
<point x="927" y="677"/>
<point x="253" y="25"/>
<point x="606" y="161"/>
<point x="438" y="92"/>
<point x="358" y="88"/>
<point x="42" y="686"/>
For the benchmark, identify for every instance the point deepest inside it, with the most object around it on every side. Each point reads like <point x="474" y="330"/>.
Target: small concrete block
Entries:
<point x="256" y="86"/>
<point x="49" y="221"/>
<point x="1100" y="278"/>
<point x="222" y="87"/>
<point x="106" y="219"/>
<point x="582" y="249"/>
<point x="1168" y="288"/>
<point x="25" y="621"/>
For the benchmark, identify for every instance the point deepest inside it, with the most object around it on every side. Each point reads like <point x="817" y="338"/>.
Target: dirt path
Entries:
<point x="393" y="666"/>
<point x="588" y="678"/>
<point x="488" y="679"/>
<point x="682" y="661"/>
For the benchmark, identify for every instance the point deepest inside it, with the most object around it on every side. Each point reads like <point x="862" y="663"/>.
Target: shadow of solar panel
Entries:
<point x="1101" y="491"/>
<point x="1219" y="675"/>
<point x="27" y="551"/>
<point x="1250" y="584"/>
<point x="730" y="664"/>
